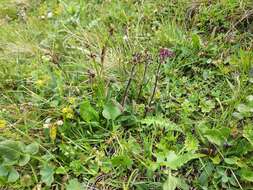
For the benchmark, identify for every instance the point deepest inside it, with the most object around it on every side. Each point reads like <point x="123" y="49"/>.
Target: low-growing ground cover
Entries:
<point x="129" y="94"/>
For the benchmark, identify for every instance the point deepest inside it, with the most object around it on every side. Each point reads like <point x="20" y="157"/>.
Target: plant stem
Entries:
<point x="128" y="85"/>
<point x="102" y="56"/>
<point x="143" y="80"/>
<point x="154" y="89"/>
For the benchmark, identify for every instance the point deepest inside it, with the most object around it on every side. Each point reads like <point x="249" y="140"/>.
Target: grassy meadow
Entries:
<point x="126" y="94"/>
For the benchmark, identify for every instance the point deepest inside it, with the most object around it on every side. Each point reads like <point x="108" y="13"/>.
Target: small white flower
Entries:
<point x="46" y="125"/>
<point x="125" y="38"/>
<point x="49" y="15"/>
<point x="46" y="58"/>
<point x="48" y="120"/>
<point x="59" y="122"/>
<point x="250" y="98"/>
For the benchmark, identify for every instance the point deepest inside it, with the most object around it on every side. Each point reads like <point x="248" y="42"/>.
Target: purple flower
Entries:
<point x="165" y="53"/>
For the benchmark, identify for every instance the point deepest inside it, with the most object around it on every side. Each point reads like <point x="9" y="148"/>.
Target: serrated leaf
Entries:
<point x="74" y="185"/>
<point x="32" y="148"/>
<point x="176" y="161"/>
<point x="158" y="121"/>
<point x="87" y="112"/>
<point x="13" y="175"/>
<point x="47" y="174"/>
<point x="191" y="143"/>
<point x="111" y="110"/>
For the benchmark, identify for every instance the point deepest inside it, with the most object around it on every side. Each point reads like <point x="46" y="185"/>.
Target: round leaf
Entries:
<point x="32" y="148"/>
<point x="13" y="175"/>
<point x="111" y="110"/>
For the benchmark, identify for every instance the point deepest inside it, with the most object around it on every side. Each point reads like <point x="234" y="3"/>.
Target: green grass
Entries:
<point x="67" y="66"/>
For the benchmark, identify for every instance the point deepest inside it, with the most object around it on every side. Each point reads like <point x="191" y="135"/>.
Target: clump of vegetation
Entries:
<point x="126" y="94"/>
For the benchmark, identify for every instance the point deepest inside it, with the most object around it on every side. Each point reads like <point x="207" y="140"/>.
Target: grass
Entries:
<point x="83" y="105"/>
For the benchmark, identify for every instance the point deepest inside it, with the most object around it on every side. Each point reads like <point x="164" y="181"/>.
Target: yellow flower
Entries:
<point x="53" y="132"/>
<point x="68" y="112"/>
<point x="158" y="95"/>
<point x="2" y="124"/>
<point x="69" y="116"/>
<point x="71" y="100"/>
<point x="58" y="10"/>
<point x="40" y="83"/>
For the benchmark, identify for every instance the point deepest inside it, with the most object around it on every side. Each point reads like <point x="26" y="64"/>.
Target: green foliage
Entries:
<point x="64" y="66"/>
<point x="173" y="183"/>
<point x="175" y="161"/>
<point x="14" y="154"/>
<point x="73" y="184"/>
<point x="122" y="160"/>
<point x="111" y="110"/>
<point x="47" y="174"/>
<point x="87" y="112"/>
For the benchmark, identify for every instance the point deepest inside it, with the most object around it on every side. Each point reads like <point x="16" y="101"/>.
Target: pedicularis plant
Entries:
<point x="126" y="94"/>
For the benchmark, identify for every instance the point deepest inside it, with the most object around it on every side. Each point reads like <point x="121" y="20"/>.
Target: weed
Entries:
<point x="90" y="100"/>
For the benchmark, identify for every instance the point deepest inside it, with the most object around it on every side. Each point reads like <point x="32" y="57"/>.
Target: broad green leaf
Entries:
<point x="61" y="170"/>
<point x="248" y="133"/>
<point x="246" y="174"/>
<point x="87" y="112"/>
<point x="127" y="120"/>
<point x="173" y="182"/>
<point x="11" y="150"/>
<point x="176" y="161"/>
<point x="47" y="174"/>
<point x="74" y="185"/>
<point x="111" y="110"/>
<point x="24" y="159"/>
<point x="4" y="171"/>
<point x="13" y="175"/>
<point x="32" y="148"/>
<point x="231" y="160"/>
<point x="206" y="173"/>
<point x="217" y="136"/>
<point x="122" y="160"/>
